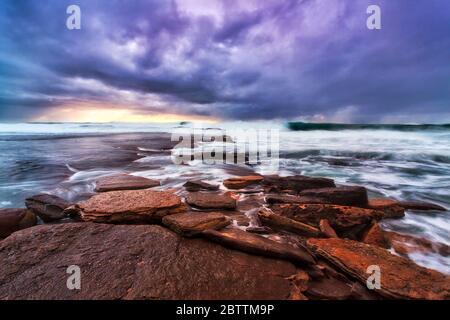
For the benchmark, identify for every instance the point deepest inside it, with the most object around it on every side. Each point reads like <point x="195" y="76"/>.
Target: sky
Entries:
<point x="222" y="60"/>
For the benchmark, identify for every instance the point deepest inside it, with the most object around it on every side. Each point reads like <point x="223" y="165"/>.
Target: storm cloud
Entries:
<point x="229" y="59"/>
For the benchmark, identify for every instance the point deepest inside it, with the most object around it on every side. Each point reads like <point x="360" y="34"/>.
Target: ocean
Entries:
<point x="401" y="162"/>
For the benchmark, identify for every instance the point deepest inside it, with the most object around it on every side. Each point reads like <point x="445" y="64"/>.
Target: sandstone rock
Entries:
<point x="133" y="262"/>
<point x="300" y="283"/>
<point x="344" y="196"/>
<point x="421" y="206"/>
<point x="130" y="206"/>
<point x="405" y="245"/>
<point x="391" y="208"/>
<point x="47" y="207"/>
<point x="288" y="198"/>
<point x="251" y="243"/>
<point x="375" y="236"/>
<point x="329" y="289"/>
<point x="400" y="278"/>
<point x="205" y="200"/>
<point x="259" y="230"/>
<point x="326" y="229"/>
<point x="242" y="182"/>
<point x="124" y="182"/>
<point x="295" y="184"/>
<point x="197" y="185"/>
<point x="280" y="222"/>
<point x="192" y="223"/>
<point x="343" y="219"/>
<point x="12" y="220"/>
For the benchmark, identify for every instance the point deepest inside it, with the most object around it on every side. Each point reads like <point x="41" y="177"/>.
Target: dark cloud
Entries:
<point x="230" y="59"/>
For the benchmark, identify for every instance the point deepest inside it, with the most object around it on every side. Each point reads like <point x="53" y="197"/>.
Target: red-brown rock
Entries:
<point x="405" y="245"/>
<point x="295" y="184"/>
<point x="326" y="229"/>
<point x="400" y="278"/>
<point x="128" y="206"/>
<point x="375" y="236"/>
<point x="192" y="223"/>
<point x="206" y="200"/>
<point x="12" y="220"/>
<point x="124" y="182"/>
<point x="344" y="196"/>
<point x="289" y="198"/>
<point x="197" y="185"/>
<point x="279" y="222"/>
<point x="48" y="207"/>
<point x="391" y="208"/>
<point x="133" y="262"/>
<point x="242" y="182"/>
<point x="421" y="206"/>
<point x="343" y="219"/>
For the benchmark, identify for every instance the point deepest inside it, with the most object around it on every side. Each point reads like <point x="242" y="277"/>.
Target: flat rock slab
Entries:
<point x="133" y="262"/>
<point x="252" y="243"/>
<point x="343" y="219"/>
<point x="47" y="207"/>
<point x="391" y="208"/>
<point x="344" y="196"/>
<point x="242" y="182"/>
<point x="124" y="182"/>
<point x="289" y="198"/>
<point x="12" y="220"/>
<point x="192" y="223"/>
<point x="375" y="235"/>
<point x="279" y="222"/>
<point x="206" y="200"/>
<point x="295" y="184"/>
<point x="400" y="278"/>
<point x="197" y="185"/>
<point x="421" y="206"/>
<point x="405" y="245"/>
<point x="129" y="206"/>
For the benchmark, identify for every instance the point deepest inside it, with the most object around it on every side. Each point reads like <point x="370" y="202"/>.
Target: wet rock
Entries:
<point x="300" y="283"/>
<point x="405" y="245"/>
<point x="205" y="200"/>
<point x="192" y="223"/>
<point x="124" y="182"/>
<point x="344" y="220"/>
<point x="400" y="278"/>
<point x="259" y="230"/>
<point x="130" y="206"/>
<point x="197" y="185"/>
<point x="326" y="229"/>
<point x="391" y="208"/>
<point x="421" y="206"/>
<point x="328" y="289"/>
<point x="279" y="222"/>
<point x="251" y="243"/>
<point x="242" y="182"/>
<point x="133" y="262"/>
<point x="288" y="198"/>
<point x="344" y="196"/>
<point x="375" y="236"/>
<point x="12" y="220"/>
<point x="47" y="207"/>
<point x="295" y="184"/>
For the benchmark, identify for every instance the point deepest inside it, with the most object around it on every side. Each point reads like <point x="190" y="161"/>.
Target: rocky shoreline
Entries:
<point x="252" y="237"/>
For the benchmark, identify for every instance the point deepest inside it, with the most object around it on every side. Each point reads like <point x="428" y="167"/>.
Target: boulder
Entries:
<point x="279" y="222"/>
<point x="12" y="220"/>
<point x="129" y="206"/>
<point x="242" y="182"/>
<point x="192" y="223"/>
<point x="391" y="208"/>
<point x="48" y="207"/>
<point x="400" y="278"/>
<point x="295" y="184"/>
<point x="197" y="185"/>
<point x="133" y="262"/>
<point x="375" y="236"/>
<point x="259" y="230"/>
<point x="326" y="229"/>
<point x="255" y="244"/>
<point x="421" y="206"/>
<point x="344" y="220"/>
<point x="344" y="196"/>
<point x="206" y="200"/>
<point x="124" y="182"/>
